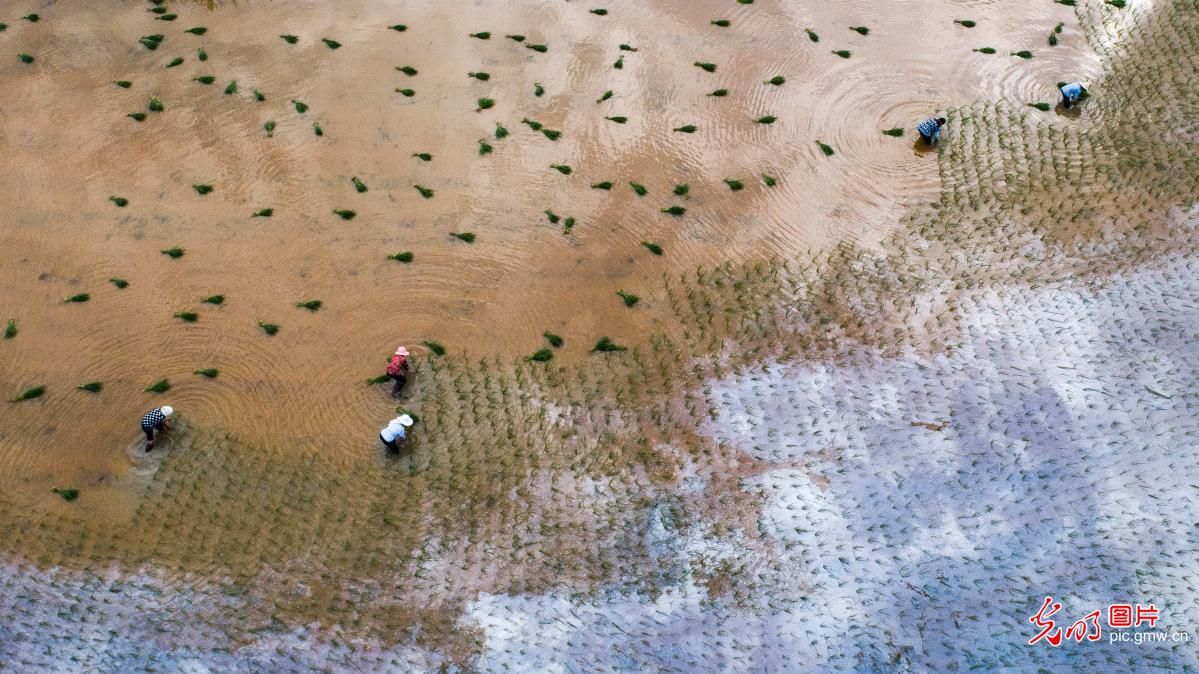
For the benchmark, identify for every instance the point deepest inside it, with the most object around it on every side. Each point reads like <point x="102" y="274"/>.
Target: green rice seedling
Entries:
<point x="148" y="44"/>
<point x="745" y="2"/>
<point x="516" y="38"/>
<point x="124" y="84"/>
<point x="66" y="494"/>
<point x="311" y="305"/>
<point x="209" y="372"/>
<point x="197" y="30"/>
<point x="91" y="387"/>
<point x="605" y="185"/>
<point x="542" y="356"/>
<point x="600" y="12"/>
<point x="76" y="299"/>
<point x="1068" y="3"/>
<point x="985" y="50"/>
<point x="619" y="119"/>
<point x="316" y="128"/>
<point x="201" y="54"/>
<point x="121" y="202"/>
<point x="155" y="105"/>
<point x="423" y="156"/>
<point x="767" y="119"/>
<point x="358" y="184"/>
<point x="619" y="63"/>
<point x="155" y="39"/>
<point x="217" y="300"/>
<point x="674" y="210"/>
<point x="301" y="106"/>
<point x="32" y="18"/>
<point x="630" y="300"/>
<point x="539" y="48"/>
<point x="1023" y="53"/>
<point x="377" y="380"/>
<point x="3" y="27"/>
<point x="30" y="394"/>
<point x="826" y="149"/>
<point x="723" y="23"/>
<point x="10" y="328"/>
<point x="562" y="168"/>
<point x="269" y="125"/>
<point x="408" y="93"/>
<point x="231" y="88"/>
<point x="290" y="39"/>
<point x="1043" y="107"/>
<point x="187" y="316"/>
<point x="967" y="23"/>
<point x="501" y="132"/>
<point x="553" y="217"/>
<point x="686" y="128"/>
<point x="551" y="134"/>
<point x="263" y="213"/>
<point x="424" y="191"/>
<point x="344" y="214"/>
<point x="538" y="90"/>
<point x="860" y="30"/>
<point x="137" y="116"/>
<point x="812" y="35"/>
<point x="120" y="283"/>
<point x="408" y="70"/>
<point x="405" y="257"/>
<point x="484" y="147"/>
<point x="174" y="252"/>
<point x="734" y="184"/>
<point x="435" y="347"/>
<point x="1058" y="27"/>
<point x="204" y="79"/>
<point x="25" y="58"/>
<point x="177" y="61"/>
<point x="896" y="132"/>
<point x="536" y="126"/>
<point x="639" y="189"/>
<point x="160" y="386"/>
<point x="627" y="47"/>
<point x="605" y="96"/>
<point x="1053" y="39"/>
<point x="468" y="237"/>
<point x="202" y="188"/>
<point x="554" y="340"/>
<point x="682" y="190"/>
<point x="485" y="104"/>
<point x="331" y="44"/>
<point x="167" y="17"/>
<point x="269" y="328"/>
<point x="706" y="67"/>
<point x="653" y="247"/>
<point x="606" y="345"/>
<point x="777" y="80"/>
<point x="567" y="225"/>
<point x="481" y="76"/>
<point x="843" y="53"/>
<point x="399" y="27"/>
<point x="770" y="181"/>
<point x="481" y="36"/>
<point x="720" y="93"/>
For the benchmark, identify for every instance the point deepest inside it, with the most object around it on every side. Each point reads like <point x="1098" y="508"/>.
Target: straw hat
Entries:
<point x="402" y="351"/>
<point x="166" y="410"/>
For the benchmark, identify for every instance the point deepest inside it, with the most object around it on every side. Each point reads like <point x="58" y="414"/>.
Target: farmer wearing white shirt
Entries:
<point x="395" y="432"/>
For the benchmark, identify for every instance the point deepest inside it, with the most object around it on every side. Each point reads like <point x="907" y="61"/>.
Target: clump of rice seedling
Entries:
<point x="639" y="189"/>
<point x="1052" y="39"/>
<point x="331" y="44"/>
<point x="160" y="386"/>
<point x="485" y="104"/>
<point x="210" y="372"/>
<point x="187" y="316"/>
<point x="653" y="247"/>
<point x="424" y="191"/>
<point x="120" y="283"/>
<point x="201" y="54"/>
<point x="720" y="93"/>
<point x="551" y="134"/>
<point x="619" y="63"/>
<point x="81" y="297"/>
<point x="723" y="23"/>
<point x="408" y="93"/>
<point x="30" y="394"/>
<point x="263" y="213"/>
<point x="66" y="494"/>
<point x="3" y="27"/>
<point x="896" y="132"/>
<point x="1068" y="3"/>
<point x="562" y="168"/>
<point x="630" y="299"/>
<point x="1043" y="107"/>
<point x="197" y="30"/>
<point x="553" y="217"/>
<point x="567" y="225"/>
<point x="151" y="42"/>
<point x="399" y="27"/>
<point x="468" y="237"/>
<point x="674" y="210"/>
<point x="554" y="340"/>
<point x="137" y="116"/>
<point x="516" y="38"/>
<point x="812" y="35"/>
<point x="538" y="90"/>
<point x="217" y="300"/>
<point x="10" y="328"/>
<point x="174" y="252"/>
<point x="481" y="76"/>
<point x="423" y="156"/>
<point x="967" y="23"/>
<point x="202" y="188"/>
<point x="860" y="30"/>
<point x="843" y="53"/>
<point x="619" y="119"/>
<point x="290" y="39"/>
<point x="32" y="18"/>
<point x="606" y="345"/>
<point x="121" y="202"/>
<point x="124" y="84"/>
<point x="268" y="328"/>
<point x="734" y="184"/>
<point x="706" y="67"/>
<point x="316" y="128"/>
<point x="501" y="132"/>
<point x="269" y="125"/>
<point x="344" y="214"/>
<point x="542" y="355"/>
<point x="686" y="128"/>
<point x="484" y="147"/>
<point x="377" y="380"/>
<point x="407" y="70"/>
<point x="826" y="149"/>
<point x="405" y="257"/>
<point x="91" y="387"/>
<point x="777" y="80"/>
<point x="231" y="88"/>
<point x="627" y="47"/>
<point x="985" y="50"/>
<point x="1058" y="27"/>
<point x="301" y="106"/>
<point x="767" y="119"/>
<point x="167" y="17"/>
<point x="605" y="96"/>
<point x="358" y="184"/>
<point x="682" y="190"/>
<point x="155" y="104"/>
<point x="539" y="48"/>
<point x="770" y="181"/>
<point x="605" y="185"/>
<point x="1023" y="53"/>
<point x="25" y="58"/>
<point x="177" y="61"/>
<point x="311" y="305"/>
<point x="204" y="79"/>
<point x="599" y="12"/>
<point x="435" y="347"/>
<point x="745" y="2"/>
<point x="481" y="36"/>
<point x="536" y="126"/>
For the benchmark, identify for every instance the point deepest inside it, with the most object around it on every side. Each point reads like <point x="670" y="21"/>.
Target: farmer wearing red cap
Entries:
<point x="397" y="369"/>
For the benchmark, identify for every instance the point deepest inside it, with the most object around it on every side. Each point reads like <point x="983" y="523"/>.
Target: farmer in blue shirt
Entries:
<point x="1072" y="92"/>
<point x="930" y="129"/>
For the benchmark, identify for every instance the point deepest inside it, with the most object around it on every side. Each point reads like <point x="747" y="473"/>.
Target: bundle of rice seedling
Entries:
<point x="630" y="300"/>
<point x="653" y="247"/>
<point x="686" y="128"/>
<point x="551" y="134"/>
<point x="119" y="282"/>
<point x="269" y="125"/>
<point x="734" y="184"/>
<point x="344" y="214"/>
<point x="81" y="297"/>
<point x="10" y="328"/>
<point x="167" y="17"/>
<point x="468" y="237"/>
<point x="627" y="47"/>
<point x="619" y="119"/>
<point x="197" y="30"/>
<point x="201" y="54"/>
<point x="358" y="184"/>
<point x="290" y="39"/>
<point x="209" y="372"/>
<point x="619" y="63"/>
<point x="399" y="27"/>
<point x="481" y="76"/>
<point x="202" y="188"/>
<point x="812" y="35"/>
<point x="481" y="36"/>
<point x="30" y="394"/>
<point x="605" y="345"/>
<point x="860" y="30"/>
<point x="516" y="38"/>
<point x="160" y="386"/>
<point x="316" y="128"/>
<point x="707" y="67"/>
<point x="377" y="380"/>
<point x="204" y="79"/>
<point x="538" y="90"/>
<point x="539" y="48"/>
<point x="423" y="156"/>
<point x="263" y="213"/>
<point x="965" y="23"/>
<point x="770" y="181"/>
<point x="561" y="168"/>
<point x="501" y="132"/>
<point x="605" y="96"/>
<point x="484" y="147"/>
<point x="843" y="53"/>
<point x="827" y="150"/>
<point x="485" y="104"/>
<point x="91" y="387"/>
<point x="408" y="93"/>
<point x="121" y="202"/>
<point x="424" y="191"/>
<point x="331" y="44"/>
<point x="217" y="300"/>
<point x="542" y="355"/>
<point x="32" y="18"/>
<point x="639" y="189"/>
<point x="720" y="93"/>
<point x="985" y="50"/>
<point x="534" y="125"/>
<point x="187" y="316"/>
<point x="137" y="116"/>
<point x="66" y="494"/>
<point x="174" y="252"/>
<point x="554" y="340"/>
<point x="151" y="42"/>
<point x="553" y="217"/>
<point x="301" y="106"/>
<point x="723" y="23"/>
<point x="268" y="328"/>
<point x="177" y="61"/>
<point x="404" y="257"/>
<point x="1023" y="53"/>
<point x="896" y="132"/>
<point x="682" y="190"/>
<point x="777" y="80"/>
<point x="231" y="88"/>
<point x="25" y="58"/>
<point x="674" y="210"/>
<point x="155" y="104"/>
<point x="124" y="84"/>
<point x="599" y="12"/>
<point x="311" y="305"/>
<point x="567" y="225"/>
<point x="1043" y="107"/>
<point x="407" y="70"/>
<point x="436" y="348"/>
<point x="605" y="185"/>
<point x="767" y="119"/>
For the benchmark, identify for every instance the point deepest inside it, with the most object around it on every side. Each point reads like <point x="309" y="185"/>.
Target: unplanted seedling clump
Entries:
<point x="619" y="119"/>
<point x="201" y="54"/>
<point x="174" y="252"/>
<point x="91" y="387"/>
<point x="407" y="93"/>
<point x="539" y="48"/>
<point x="604" y="96"/>
<point x="770" y="181"/>
<point x="435" y="347"/>
<point x="10" y="328"/>
<point x="484" y="147"/>
<point x="197" y="30"/>
<point x="331" y="44"/>
<point x="674" y="210"/>
<point x="706" y="67"/>
<point x="25" y="58"/>
<point x="481" y="36"/>
<point x="404" y="257"/>
<point x="501" y="132"/>
<point x="424" y="191"/>
<point x="217" y="300"/>
<point x="290" y="39"/>
<point x="77" y="299"/>
<point x="423" y="156"/>
<point x="538" y="90"/>
<point x="653" y="247"/>
<point x="66" y="494"/>
<point x="630" y="300"/>
<point x="812" y="35"/>
<point x="301" y="106"/>
<point x="562" y="168"/>
<point x="639" y="189"/>
<point x="399" y="27"/>
<point x="210" y="372"/>
<point x="1043" y="107"/>
<point x="767" y="119"/>
<point x="30" y="394"/>
<point x="137" y="116"/>
<point x="358" y="184"/>
<point x="985" y="50"/>
<point x="825" y="148"/>
<point x="160" y="386"/>
<point x="734" y="184"/>
<point x="202" y="188"/>
<point x="231" y="88"/>
<point x="686" y="128"/>
<point x="121" y="202"/>
<point x="723" y="23"/>
<point x="151" y="42"/>
<point x="204" y="79"/>
<point x="896" y="132"/>
<point x="177" y="61"/>
<point x="407" y="70"/>
<point x="120" y="283"/>
<point x="682" y="190"/>
<point x="311" y="305"/>
<point x="268" y="328"/>
<point x="606" y="345"/>
<point x="860" y="30"/>
<point x="344" y="214"/>
<point x="263" y="213"/>
<point x="603" y="185"/>
<point x="542" y="355"/>
<point x="967" y="23"/>
<point x="554" y="340"/>
<point x="124" y="84"/>
<point x="485" y="104"/>
<point x="468" y="237"/>
<point x="269" y="125"/>
<point x="481" y="76"/>
<point x="720" y="93"/>
<point x="777" y="80"/>
<point x="843" y="53"/>
<point x="155" y="104"/>
<point x="187" y="316"/>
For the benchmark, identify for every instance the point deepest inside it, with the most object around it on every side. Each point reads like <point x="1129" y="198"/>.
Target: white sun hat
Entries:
<point x="166" y="410"/>
<point x="402" y="351"/>
<point x="405" y="420"/>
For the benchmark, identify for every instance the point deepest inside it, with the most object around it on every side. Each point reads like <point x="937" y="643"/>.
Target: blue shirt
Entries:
<point x="1072" y="91"/>
<point x="929" y="127"/>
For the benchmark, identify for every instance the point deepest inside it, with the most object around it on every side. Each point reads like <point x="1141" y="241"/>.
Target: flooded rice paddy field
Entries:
<point x="868" y="417"/>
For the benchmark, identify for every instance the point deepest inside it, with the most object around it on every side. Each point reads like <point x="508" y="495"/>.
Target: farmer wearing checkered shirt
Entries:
<point x="156" y="420"/>
<point x="930" y="130"/>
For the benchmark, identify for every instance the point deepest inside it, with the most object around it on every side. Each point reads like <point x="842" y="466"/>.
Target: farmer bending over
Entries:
<point x="395" y="432"/>
<point x="930" y="130"/>
<point x="154" y="421"/>
<point x="1072" y="92"/>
